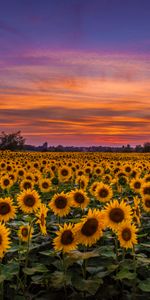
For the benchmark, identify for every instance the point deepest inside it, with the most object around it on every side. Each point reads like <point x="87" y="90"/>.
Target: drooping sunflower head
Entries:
<point x="116" y="213"/>
<point x="79" y="198"/>
<point x="41" y="215"/>
<point x="93" y="187"/>
<point x="127" y="235"/>
<point x="90" y="228"/>
<point x="7" y="209"/>
<point x="25" y="233"/>
<point x="4" y="239"/>
<point x="28" y="201"/>
<point x="60" y="204"/>
<point x="103" y="192"/>
<point x="82" y="181"/>
<point x="66" y="239"/>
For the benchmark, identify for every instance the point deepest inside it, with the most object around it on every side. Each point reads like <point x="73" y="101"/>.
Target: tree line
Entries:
<point x="16" y="142"/>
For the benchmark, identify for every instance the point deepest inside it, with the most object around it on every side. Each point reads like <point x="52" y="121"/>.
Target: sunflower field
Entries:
<point x="74" y="226"/>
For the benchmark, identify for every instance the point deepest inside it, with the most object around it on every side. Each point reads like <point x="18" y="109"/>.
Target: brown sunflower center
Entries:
<point x="67" y="237"/>
<point x="20" y="173"/>
<point x="147" y="179"/>
<point x="126" y="234"/>
<point x="89" y="227"/>
<point x="29" y="200"/>
<point x="4" y="208"/>
<point x="24" y="232"/>
<point x="116" y="215"/>
<point x="103" y="193"/>
<point x="127" y="169"/>
<point x="64" y="172"/>
<point x="6" y="182"/>
<point x="147" y="203"/>
<point x="61" y="202"/>
<point x="45" y="185"/>
<point x="137" y="185"/>
<point x="146" y="190"/>
<point x="27" y="185"/>
<point x="78" y="197"/>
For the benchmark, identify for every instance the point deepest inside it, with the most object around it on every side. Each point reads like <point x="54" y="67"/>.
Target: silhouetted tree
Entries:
<point x="13" y="141"/>
<point x="146" y="147"/>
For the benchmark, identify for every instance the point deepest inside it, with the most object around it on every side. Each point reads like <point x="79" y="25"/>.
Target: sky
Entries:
<point x="75" y="72"/>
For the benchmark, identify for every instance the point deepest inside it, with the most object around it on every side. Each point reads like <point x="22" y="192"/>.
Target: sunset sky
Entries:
<point x="75" y="72"/>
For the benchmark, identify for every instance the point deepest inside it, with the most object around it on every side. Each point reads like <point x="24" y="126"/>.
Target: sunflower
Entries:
<point x="79" y="198"/>
<point x="4" y="240"/>
<point x="146" y="203"/>
<point x="136" y="211"/>
<point x="90" y="228"/>
<point x="66" y="239"/>
<point x="45" y="185"/>
<point x="103" y="192"/>
<point x="7" y="209"/>
<point x="41" y="214"/>
<point x="147" y="178"/>
<point x="28" y="200"/>
<point x="145" y="189"/>
<point x="93" y="187"/>
<point x="20" y="172"/>
<point x="127" y="235"/>
<point x="116" y="213"/>
<point x="64" y="173"/>
<point x="60" y="204"/>
<point x="136" y="184"/>
<point x="25" y="233"/>
<point x="26" y="184"/>
<point x="6" y="183"/>
<point x="82" y="181"/>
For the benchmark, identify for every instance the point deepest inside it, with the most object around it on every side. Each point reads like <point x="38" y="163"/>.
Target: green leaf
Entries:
<point x="39" y="268"/>
<point x="145" y="285"/>
<point x="125" y="274"/>
<point x="59" y="279"/>
<point x="90" y="285"/>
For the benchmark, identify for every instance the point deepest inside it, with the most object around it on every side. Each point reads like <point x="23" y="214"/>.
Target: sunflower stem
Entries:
<point x="2" y="283"/>
<point x="134" y="266"/>
<point x="65" y="273"/>
<point x="116" y="248"/>
<point x="27" y="252"/>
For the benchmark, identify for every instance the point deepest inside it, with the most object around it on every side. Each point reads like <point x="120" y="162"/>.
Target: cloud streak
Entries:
<point x="67" y="95"/>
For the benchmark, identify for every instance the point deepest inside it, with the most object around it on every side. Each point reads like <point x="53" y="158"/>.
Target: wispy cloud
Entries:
<point x="103" y="98"/>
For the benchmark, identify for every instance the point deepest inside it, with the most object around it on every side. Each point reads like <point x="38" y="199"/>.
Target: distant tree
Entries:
<point x="146" y="147"/>
<point x="13" y="141"/>
<point x="138" y="148"/>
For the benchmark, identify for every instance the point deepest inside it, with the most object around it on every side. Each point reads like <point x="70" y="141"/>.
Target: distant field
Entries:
<point x="74" y="225"/>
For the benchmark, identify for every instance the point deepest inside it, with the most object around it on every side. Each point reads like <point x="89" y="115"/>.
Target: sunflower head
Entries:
<point x="60" y="204"/>
<point x="25" y="233"/>
<point x="7" y="209"/>
<point x="4" y="239"/>
<point x="127" y="235"/>
<point x="29" y="201"/>
<point x="116" y="213"/>
<point x="103" y="192"/>
<point x="79" y="198"/>
<point x="66" y="239"/>
<point x="90" y="228"/>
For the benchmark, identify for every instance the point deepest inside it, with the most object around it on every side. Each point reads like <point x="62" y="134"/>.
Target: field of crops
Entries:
<point x="74" y="226"/>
